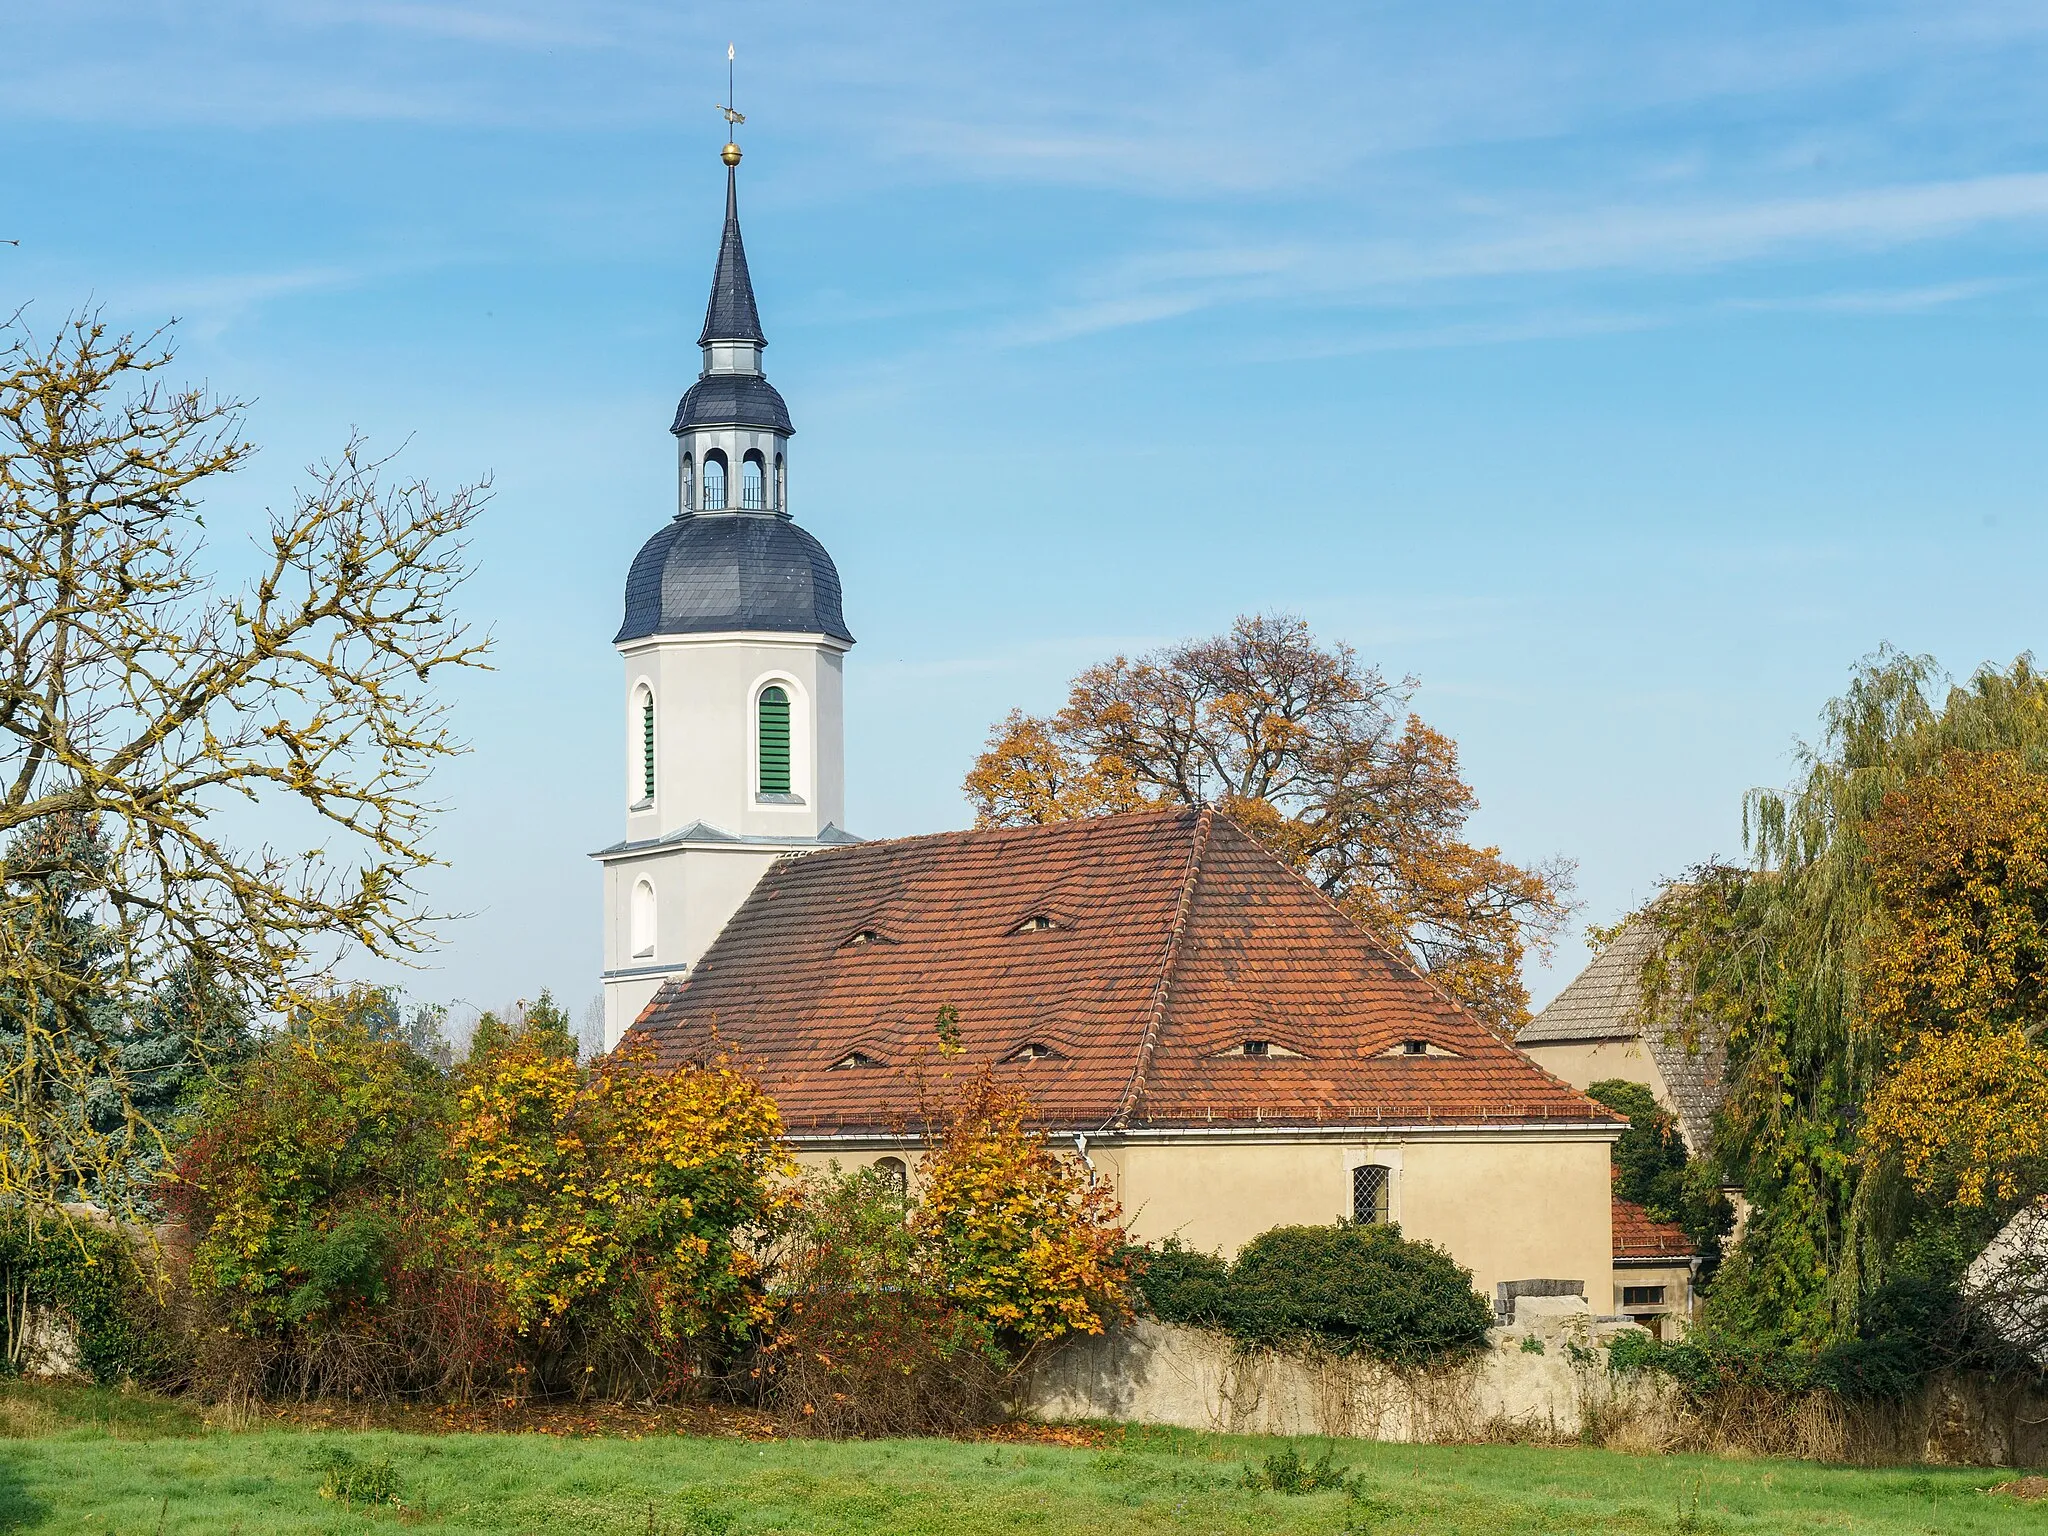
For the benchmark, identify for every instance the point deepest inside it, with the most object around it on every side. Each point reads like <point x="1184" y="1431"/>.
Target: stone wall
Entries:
<point x="1542" y="1379"/>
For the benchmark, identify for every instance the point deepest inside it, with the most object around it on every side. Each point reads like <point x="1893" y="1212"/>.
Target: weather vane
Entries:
<point x="731" y="153"/>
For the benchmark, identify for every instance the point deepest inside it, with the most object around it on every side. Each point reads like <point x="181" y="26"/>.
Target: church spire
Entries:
<point x="731" y="315"/>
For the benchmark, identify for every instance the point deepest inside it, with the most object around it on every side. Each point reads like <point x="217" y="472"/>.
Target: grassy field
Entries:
<point x="88" y="1461"/>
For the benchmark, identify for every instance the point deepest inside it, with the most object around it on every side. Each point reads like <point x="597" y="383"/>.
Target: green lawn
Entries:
<point x="88" y="1461"/>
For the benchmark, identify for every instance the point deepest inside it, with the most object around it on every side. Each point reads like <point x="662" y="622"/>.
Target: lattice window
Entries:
<point x="1369" y="1189"/>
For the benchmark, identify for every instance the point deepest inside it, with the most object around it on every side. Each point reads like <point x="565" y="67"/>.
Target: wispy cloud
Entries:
<point x="1677" y="238"/>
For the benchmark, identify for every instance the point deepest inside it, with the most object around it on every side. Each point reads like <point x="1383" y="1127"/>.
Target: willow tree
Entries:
<point x="1778" y="957"/>
<point x="162" y="734"/>
<point x="1319" y="757"/>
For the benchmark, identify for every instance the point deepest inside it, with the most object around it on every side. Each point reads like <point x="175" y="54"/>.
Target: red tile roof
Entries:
<point x="1638" y="1236"/>
<point x="1174" y="938"/>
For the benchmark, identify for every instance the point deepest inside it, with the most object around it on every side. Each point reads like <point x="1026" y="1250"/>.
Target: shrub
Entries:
<point x="98" y="1280"/>
<point x="1363" y="1290"/>
<point x="912" y="1314"/>
<point x="609" y="1207"/>
<point x="307" y="1188"/>
<point x="1179" y="1284"/>
<point x="865" y="1343"/>
<point x="1018" y="1234"/>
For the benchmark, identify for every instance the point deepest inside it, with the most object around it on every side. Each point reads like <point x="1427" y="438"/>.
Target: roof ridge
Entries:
<point x="1198" y="846"/>
<point x="1072" y="823"/>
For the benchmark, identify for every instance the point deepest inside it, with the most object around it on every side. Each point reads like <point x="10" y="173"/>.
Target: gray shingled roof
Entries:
<point x="732" y="400"/>
<point x="732" y="571"/>
<point x="731" y="315"/>
<point x="1604" y="1003"/>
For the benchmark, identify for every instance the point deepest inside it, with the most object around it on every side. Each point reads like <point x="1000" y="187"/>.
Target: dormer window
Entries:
<point x="863" y="937"/>
<point x="1033" y="1050"/>
<point x="1038" y="922"/>
<point x="1417" y="1048"/>
<point x="854" y="1059"/>
<point x="1259" y="1050"/>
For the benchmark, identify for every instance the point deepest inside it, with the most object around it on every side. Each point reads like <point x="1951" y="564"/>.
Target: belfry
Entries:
<point x="734" y="647"/>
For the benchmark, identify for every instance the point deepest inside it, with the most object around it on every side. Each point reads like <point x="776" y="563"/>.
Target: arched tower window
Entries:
<point x="646" y="744"/>
<point x="753" y="493"/>
<point x="1370" y="1184"/>
<point x="714" y="481"/>
<point x="642" y="924"/>
<point x="773" y="714"/>
<point x="781" y="487"/>
<point x="688" y="499"/>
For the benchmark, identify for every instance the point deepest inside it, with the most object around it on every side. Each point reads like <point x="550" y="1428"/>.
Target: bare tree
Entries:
<point x="141" y="701"/>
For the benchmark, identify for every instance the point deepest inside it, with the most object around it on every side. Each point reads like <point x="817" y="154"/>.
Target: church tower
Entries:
<point x="734" y="648"/>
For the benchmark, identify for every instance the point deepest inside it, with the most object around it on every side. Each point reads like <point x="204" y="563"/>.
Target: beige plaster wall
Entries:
<point x="1584" y="1063"/>
<point x="1507" y="1208"/>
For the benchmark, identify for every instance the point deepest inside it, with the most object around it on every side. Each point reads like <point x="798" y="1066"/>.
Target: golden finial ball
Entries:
<point x="730" y="154"/>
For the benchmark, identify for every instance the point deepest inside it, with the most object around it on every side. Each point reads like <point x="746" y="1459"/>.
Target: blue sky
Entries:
<point x="1622" y="372"/>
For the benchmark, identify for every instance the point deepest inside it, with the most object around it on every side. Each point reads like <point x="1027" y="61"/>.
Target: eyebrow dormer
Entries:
<point x="1258" y="1049"/>
<point x="1418" y="1047"/>
<point x="861" y="938"/>
<point x="855" y="1059"/>
<point x="1033" y="1050"/>
<point x="1038" y="922"/>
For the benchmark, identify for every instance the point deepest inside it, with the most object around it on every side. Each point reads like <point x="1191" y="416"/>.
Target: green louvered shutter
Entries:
<point x="647" y="749"/>
<point x="774" y="741"/>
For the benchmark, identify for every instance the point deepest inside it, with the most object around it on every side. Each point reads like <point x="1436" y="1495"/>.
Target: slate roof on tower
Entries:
<point x="1115" y="968"/>
<point x="731" y="315"/>
<point x="732" y="572"/>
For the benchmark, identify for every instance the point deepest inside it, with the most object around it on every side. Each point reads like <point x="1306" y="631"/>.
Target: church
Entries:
<point x="1199" y="1024"/>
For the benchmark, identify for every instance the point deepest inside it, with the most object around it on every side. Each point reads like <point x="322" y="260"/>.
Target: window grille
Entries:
<point x="752" y="495"/>
<point x="1642" y="1295"/>
<point x="774" y="726"/>
<point x="1369" y="1193"/>
<point x="714" y="483"/>
<point x="646" y="746"/>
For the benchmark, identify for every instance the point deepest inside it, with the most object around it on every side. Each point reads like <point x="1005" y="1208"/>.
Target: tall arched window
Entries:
<point x="753" y="494"/>
<point x="646" y="744"/>
<point x="895" y="1173"/>
<point x="1370" y="1184"/>
<point x="773" y="715"/>
<point x="688" y="499"/>
<point x="642" y="925"/>
<point x="714" y="481"/>
<point x="781" y="488"/>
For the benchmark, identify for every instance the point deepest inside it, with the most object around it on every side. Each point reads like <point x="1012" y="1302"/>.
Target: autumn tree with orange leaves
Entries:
<point x="1319" y="757"/>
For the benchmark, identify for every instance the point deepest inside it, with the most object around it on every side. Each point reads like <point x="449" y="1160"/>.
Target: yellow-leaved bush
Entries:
<point x="1019" y="1233"/>
<point x="611" y="1205"/>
